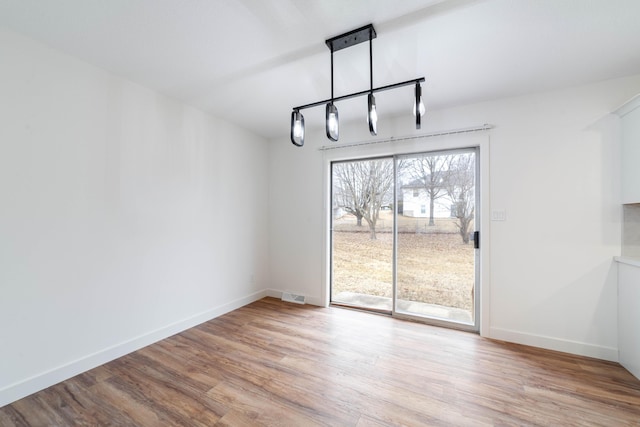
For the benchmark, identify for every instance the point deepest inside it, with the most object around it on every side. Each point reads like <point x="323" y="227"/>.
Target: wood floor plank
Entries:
<point x="129" y="411"/>
<point x="238" y="418"/>
<point x="261" y="408"/>
<point x="173" y="398"/>
<point x="273" y="363"/>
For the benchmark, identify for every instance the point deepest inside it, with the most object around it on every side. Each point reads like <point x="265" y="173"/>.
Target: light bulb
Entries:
<point x="421" y="108"/>
<point x="333" y="123"/>
<point x="297" y="129"/>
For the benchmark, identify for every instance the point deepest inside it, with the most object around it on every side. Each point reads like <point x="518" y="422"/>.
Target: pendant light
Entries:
<point x="331" y="122"/>
<point x="331" y="119"/>
<point x="418" y="106"/>
<point x="372" y="115"/>
<point x="297" y="128"/>
<point x="343" y="41"/>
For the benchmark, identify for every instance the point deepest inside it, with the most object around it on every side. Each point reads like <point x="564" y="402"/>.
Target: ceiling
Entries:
<point x="251" y="61"/>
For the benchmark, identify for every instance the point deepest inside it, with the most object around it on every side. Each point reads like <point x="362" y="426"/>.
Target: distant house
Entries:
<point x="415" y="202"/>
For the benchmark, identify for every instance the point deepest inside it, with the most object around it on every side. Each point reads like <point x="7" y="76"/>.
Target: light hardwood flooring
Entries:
<point x="274" y="363"/>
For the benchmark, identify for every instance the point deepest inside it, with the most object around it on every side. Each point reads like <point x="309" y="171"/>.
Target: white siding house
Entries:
<point x="415" y="202"/>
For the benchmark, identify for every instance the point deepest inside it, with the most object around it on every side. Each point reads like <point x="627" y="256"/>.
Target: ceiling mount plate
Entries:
<point x="351" y="38"/>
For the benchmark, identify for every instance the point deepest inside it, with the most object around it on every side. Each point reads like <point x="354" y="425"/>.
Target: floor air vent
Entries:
<point x="298" y="299"/>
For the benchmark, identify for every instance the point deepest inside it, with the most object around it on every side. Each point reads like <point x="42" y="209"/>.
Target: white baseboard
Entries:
<point x="46" y="379"/>
<point x="308" y="300"/>
<point x="274" y="294"/>
<point x="550" y="343"/>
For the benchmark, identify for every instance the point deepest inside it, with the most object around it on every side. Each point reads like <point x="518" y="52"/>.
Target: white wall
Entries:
<point x="120" y="222"/>
<point x="554" y="169"/>
<point x="119" y="217"/>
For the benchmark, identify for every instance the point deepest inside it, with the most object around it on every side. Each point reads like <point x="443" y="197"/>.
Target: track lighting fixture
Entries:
<point x="366" y="33"/>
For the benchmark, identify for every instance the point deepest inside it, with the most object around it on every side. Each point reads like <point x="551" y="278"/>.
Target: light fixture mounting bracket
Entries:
<point x="352" y="38"/>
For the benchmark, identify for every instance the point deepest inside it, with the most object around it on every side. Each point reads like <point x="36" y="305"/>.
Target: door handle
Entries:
<point x="476" y="240"/>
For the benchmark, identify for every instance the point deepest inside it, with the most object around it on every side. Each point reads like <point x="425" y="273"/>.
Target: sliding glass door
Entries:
<point x="403" y="236"/>
<point x="362" y="233"/>
<point x="436" y="239"/>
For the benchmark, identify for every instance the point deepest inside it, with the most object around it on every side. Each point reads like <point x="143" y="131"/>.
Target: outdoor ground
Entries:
<point x="434" y="265"/>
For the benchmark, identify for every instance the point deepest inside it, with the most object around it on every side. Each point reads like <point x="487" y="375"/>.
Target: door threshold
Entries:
<point x="360" y="308"/>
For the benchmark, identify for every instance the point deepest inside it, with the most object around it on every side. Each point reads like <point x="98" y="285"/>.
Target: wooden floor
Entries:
<point x="275" y="363"/>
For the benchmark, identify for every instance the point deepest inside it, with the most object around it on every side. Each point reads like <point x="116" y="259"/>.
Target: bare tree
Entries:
<point x="460" y="187"/>
<point x="430" y="172"/>
<point x="362" y="187"/>
<point x="348" y="191"/>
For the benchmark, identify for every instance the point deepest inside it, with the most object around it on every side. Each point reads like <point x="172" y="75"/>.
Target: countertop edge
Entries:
<point x="626" y="260"/>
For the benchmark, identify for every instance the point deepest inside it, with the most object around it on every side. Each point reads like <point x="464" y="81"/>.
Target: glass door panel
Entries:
<point x="362" y="233"/>
<point x="435" y="255"/>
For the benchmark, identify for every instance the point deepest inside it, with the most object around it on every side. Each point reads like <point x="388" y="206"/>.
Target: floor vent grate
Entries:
<point x="298" y="299"/>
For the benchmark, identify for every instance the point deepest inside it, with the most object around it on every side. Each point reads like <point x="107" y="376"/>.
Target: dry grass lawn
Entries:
<point x="434" y="266"/>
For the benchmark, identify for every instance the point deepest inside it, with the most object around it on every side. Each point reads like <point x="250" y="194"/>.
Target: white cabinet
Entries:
<point x="629" y="315"/>
<point x="629" y="263"/>
<point x="630" y="128"/>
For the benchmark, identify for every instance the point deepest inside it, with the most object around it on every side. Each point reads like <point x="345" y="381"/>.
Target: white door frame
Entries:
<point x="417" y="144"/>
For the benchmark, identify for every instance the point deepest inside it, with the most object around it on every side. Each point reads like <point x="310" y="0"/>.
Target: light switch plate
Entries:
<point x="498" y="215"/>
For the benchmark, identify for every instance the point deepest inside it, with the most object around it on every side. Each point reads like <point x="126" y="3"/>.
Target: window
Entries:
<point x="416" y="192"/>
